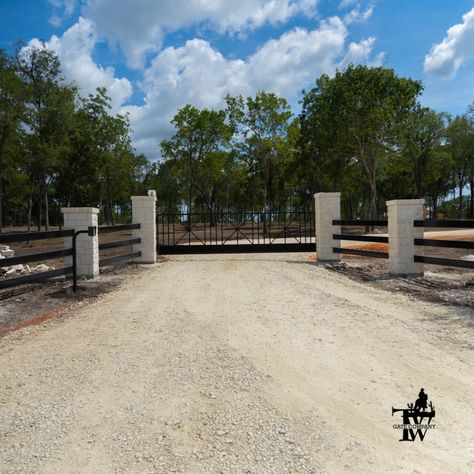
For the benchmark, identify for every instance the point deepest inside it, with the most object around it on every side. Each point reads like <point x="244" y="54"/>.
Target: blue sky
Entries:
<point x="156" y="55"/>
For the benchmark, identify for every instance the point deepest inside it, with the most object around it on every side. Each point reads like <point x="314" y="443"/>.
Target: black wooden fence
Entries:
<point x="361" y="238"/>
<point x="16" y="237"/>
<point x="453" y="244"/>
<point x="106" y="261"/>
<point x="35" y="257"/>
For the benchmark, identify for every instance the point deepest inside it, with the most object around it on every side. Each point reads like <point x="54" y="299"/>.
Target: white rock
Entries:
<point x="41" y="268"/>
<point x="17" y="268"/>
<point x="8" y="253"/>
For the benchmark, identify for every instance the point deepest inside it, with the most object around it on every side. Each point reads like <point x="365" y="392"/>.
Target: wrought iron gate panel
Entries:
<point x="235" y="232"/>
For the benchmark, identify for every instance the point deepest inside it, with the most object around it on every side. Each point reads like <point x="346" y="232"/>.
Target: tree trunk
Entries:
<point x="435" y="207"/>
<point x="39" y="211"/>
<point x="460" y="199"/>
<point x="30" y="209"/>
<point x="1" y="202"/>
<point x="471" y="202"/>
<point x="109" y="210"/>
<point x="188" y="210"/>
<point x="46" y="209"/>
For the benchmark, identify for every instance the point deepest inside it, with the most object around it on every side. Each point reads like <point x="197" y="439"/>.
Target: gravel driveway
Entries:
<point x="258" y="364"/>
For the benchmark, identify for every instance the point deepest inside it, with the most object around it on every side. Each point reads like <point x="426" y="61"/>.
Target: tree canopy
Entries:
<point x="362" y="132"/>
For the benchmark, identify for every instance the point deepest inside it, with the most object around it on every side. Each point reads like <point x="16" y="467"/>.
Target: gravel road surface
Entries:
<point x="257" y="364"/>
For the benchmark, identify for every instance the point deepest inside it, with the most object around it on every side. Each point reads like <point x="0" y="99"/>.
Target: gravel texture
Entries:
<point x="237" y="364"/>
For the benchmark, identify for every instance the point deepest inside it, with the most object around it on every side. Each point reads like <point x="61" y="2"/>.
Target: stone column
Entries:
<point x="401" y="236"/>
<point x="328" y="208"/>
<point x="144" y="213"/>
<point x="87" y="248"/>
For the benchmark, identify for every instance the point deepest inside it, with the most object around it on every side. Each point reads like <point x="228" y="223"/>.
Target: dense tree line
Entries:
<point x="362" y="132"/>
<point x="57" y="148"/>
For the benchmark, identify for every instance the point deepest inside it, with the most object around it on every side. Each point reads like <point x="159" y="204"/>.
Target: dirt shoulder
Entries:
<point x="447" y="285"/>
<point x="261" y="363"/>
<point x="31" y="304"/>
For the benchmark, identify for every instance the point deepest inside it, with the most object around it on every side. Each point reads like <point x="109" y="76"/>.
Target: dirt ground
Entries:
<point x="31" y="304"/>
<point x="248" y="363"/>
<point x="447" y="285"/>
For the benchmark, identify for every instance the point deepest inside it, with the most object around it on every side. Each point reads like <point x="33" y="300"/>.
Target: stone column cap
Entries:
<point x="143" y="198"/>
<point x="405" y="202"/>
<point x="80" y="210"/>
<point x="327" y="194"/>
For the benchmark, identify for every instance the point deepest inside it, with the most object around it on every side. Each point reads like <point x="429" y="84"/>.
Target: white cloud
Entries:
<point x="195" y="72"/>
<point x="66" y="9"/>
<point x="74" y="49"/>
<point x="347" y="3"/>
<point x="139" y="26"/>
<point x="445" y="58"/>
<point x="198" y="74"/>
<point x="360" y="53"/>
<point x="358" y="16"/>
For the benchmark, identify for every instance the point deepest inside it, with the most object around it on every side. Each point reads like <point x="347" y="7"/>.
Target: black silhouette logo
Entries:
<point x="416" y="418"/>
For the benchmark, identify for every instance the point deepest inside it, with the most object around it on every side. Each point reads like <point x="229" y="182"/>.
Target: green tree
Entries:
<point x="11" y="112"/>
<point x="264" y="139"/>
<point x="422" y="134"/>
<point x="50" y="105"/>
<point x="459" y="137"/>
<point x="200" y="138"/>
<point x="359" y="112"/>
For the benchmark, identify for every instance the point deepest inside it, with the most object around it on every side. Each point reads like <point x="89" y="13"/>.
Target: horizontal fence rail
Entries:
<point x="361" y="238"/>
<point x="119" y="243"/>
<point x="452" y="244"/>
<point x="459" y="224"/>
<point x="362" y="253"/>
<point x="234" y="248"/>
<point x="356" y="222"/>
<point x="118" y="258"/>
<point x="117" y="228"/>
<point x="35" y="257"/>
<point x="13" y="237"/>
<point x="451" y="262"/>
<point x="35" y="277"/>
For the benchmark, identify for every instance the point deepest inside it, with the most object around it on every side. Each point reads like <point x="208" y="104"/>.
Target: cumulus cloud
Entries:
<point x="347" y="3"/>
<point x="358" y="16"/>
<point x="63" y="9"/>
<point x="445" y="58"/>
<point x="139" y="26"/>
<point x="74" y="49"/>
<point x="360" y="53"/>
<point x="198" y="74"/>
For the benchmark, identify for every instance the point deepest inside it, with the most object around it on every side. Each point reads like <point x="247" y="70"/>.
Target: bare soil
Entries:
<point x="445" y="285"/>
<point x="246" y="363"/>
<point x="32" y="304"/>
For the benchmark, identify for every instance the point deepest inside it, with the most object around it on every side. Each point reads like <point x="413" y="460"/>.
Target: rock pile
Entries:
<point x="18" y="270"/>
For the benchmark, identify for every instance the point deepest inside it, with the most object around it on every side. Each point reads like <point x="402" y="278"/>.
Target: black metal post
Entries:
<point x="91" y="232"/>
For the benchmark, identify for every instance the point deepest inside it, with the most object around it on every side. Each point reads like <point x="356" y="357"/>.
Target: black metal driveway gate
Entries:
<point x="236" y="232"/>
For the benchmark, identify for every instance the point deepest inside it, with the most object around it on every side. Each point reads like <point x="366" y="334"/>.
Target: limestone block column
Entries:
<point x="401" y="236"/>
<point x="87" y="248"/>
<point x="328" y="208"/>
<point x="144" y="213"/>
